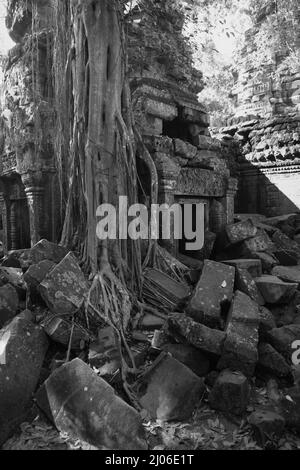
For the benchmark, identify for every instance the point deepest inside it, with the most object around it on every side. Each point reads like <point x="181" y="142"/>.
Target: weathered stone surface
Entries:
<point x="208" y="143"/>
<point x="169" y="390"/>
<point x="160" y="109"/>
<point x="268" y="261"/>
<point x="277" y="221"/>
<point x="230" y="393"/>
<point x="287" y="273"/>
<point x="59" y="330"/>
<point x="253" y="266"/>
<point x="241" y="231"/>
<point x="283" y="242"/>
<point x="240" y="346"/>
<point x="190" y="356"/>
<point x="266" y="321"/>
<point x="274" y="290"/>
<point x="43" y="250"/>
<point x="37" y="272"/>
<point x="14" y="277"/>
<point x="272" y="362"/>
<point x="9" y="302"/>
<point x="282" y="339"/>
<point x="212" y="184"/>
<point x="85" y="406"/>
<point x="151" y="322"/>
<point x="184" y="149"/>
<point x="64" y="288"/>
<point x="267" y="425"/>
<point x="261" y="242"/>
<point x="22" y="350"/>
<point x="214" y="288"/>
<point x="200" y="336"/>
<point x="244" y="282"/>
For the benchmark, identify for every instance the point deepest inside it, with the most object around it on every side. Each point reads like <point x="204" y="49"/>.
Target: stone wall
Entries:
<point x="191" y="165"/>
<point x="265" y="130"/>
<point x="28" y="174"/>
<point x="268" y="164"/>
<point x="268" y="88"/>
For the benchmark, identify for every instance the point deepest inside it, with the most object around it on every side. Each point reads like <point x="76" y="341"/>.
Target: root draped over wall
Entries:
<point x="95" y="138"/>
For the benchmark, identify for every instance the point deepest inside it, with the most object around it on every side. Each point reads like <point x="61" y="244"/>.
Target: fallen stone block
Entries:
<point x="104" y="353"/>
<point x="39" y="252"/>
<point x="261" y="242"/>
<point x="274" y="290"/>
<point x="162" y="292"/>
<point x="266" y="322"/>
<point x="65" y="288"/>
<point x="184" y="149"/>
<point x="245" y="283"/>
<point x="37" y="273"/>
<point x="240" y="231"/>
<point x="9" y="302"/>
<point x="14" y="277"/>
<point x="23" y="346"/>
<point x="214" y="289"/>
<point x="190" y="356"/>
<point x="256" y="218"/>
<point x="151" y="322"/>
<point x="61" y="330"/>
<point x="266" y="425"/>
<point x="206" y="339"/>
<point x="230" y="393"/>
<point x="288" y="230"/>
<point x="240" y="346"/>
<point x="170" y="391"/>
<point x="282" y="339"/>
<point x="268" y="261"/>
<point x="253" y="266"/>
<point x="283" y="242"/>
<point x="272" y="362"/>
<point x="287" y="273"/>
<point x="191" y="263"/>
<point x="86" y="407"/>
<point x="281" y="219"/>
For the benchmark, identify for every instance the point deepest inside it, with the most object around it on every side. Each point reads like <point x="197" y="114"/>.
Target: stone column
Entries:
<point x="5" y="214"/>
<point x="14" y="236"/>
<point x="229" y="199"/>
<point x="217" y="216"/>
<point x="35" y="205"/>
<point x="168" y="173"/>
<point x="34" y="191"/>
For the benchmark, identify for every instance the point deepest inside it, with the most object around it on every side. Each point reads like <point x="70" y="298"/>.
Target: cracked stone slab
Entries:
<point x="65" y="287"/>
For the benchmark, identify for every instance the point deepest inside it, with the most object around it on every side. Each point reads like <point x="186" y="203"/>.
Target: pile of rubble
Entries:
<point x="229" y="326"/>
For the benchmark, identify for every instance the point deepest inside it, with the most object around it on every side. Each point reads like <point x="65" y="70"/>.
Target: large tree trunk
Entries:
<point x="103" y="163"/>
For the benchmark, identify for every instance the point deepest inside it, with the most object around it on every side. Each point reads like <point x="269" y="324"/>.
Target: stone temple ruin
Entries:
<point x="267" y="124"/>
<point x="210" y="338"/>
<point x="191" y="165"/>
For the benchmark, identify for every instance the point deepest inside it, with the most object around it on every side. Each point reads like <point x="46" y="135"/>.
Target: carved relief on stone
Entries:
<point x="201" y="182"/>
